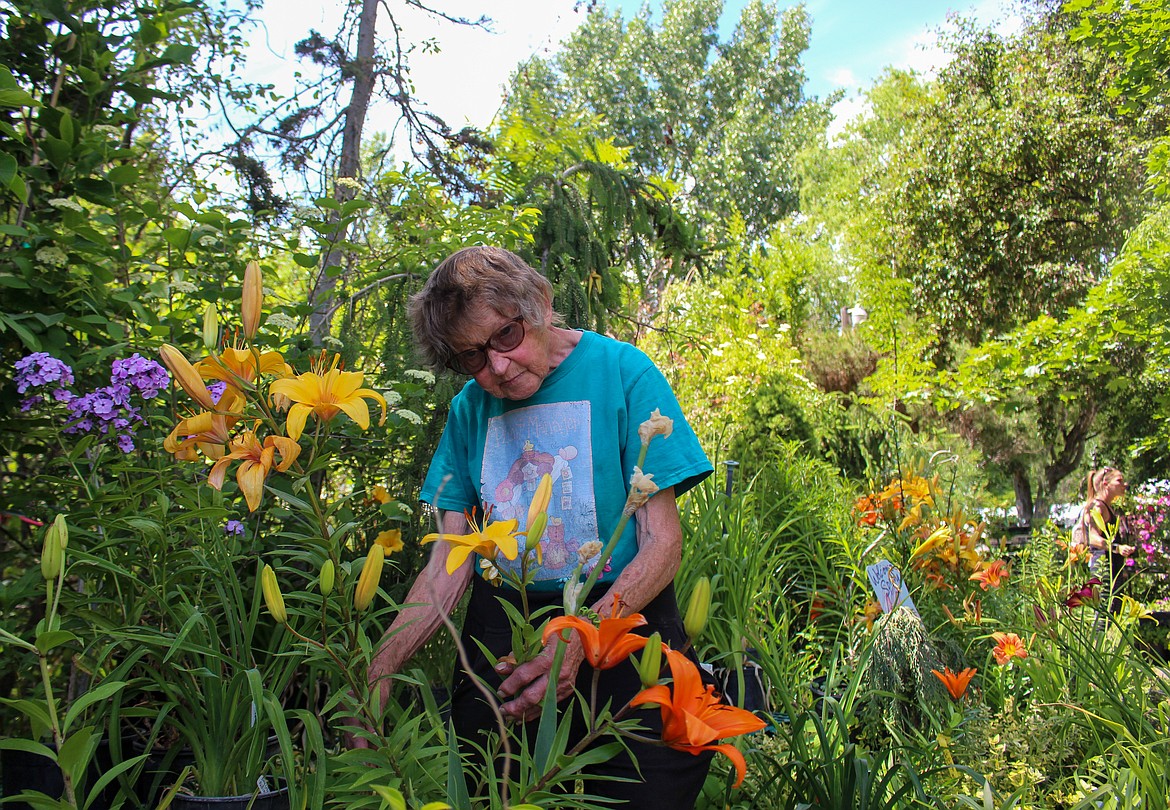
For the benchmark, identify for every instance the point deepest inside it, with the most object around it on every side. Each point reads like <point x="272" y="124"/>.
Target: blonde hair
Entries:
<point x="1096" y="482"/>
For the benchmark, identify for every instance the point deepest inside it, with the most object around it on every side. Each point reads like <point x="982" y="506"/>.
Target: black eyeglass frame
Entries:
<point x="458" y="362"/>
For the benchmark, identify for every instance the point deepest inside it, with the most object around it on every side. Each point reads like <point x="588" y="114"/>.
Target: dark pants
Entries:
<point x="669" y="778"/>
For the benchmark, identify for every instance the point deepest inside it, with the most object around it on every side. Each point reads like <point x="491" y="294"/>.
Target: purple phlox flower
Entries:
<point x="41" y="368"/>
<point x="233" y="527"/>
<point x="126" y="443"/>
<point x="216" y="390"/>
<point x="28" y="403"/>
<point x="144" y="375"/>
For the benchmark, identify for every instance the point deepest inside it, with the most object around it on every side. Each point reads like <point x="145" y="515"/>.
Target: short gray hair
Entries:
<point x="488" y="276"/>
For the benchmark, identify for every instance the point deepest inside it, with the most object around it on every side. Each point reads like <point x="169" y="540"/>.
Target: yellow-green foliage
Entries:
<point x="717" y="347"/>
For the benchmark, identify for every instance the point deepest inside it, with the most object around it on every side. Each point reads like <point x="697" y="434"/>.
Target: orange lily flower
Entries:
<point x="326" y="393"/>
<point x="693" y="717"/>
<point x="256" y="461"/>
<point x="210" y="432"/>
<point x="1007" y="647"/>
<point x="956" y="682"/>
<point x="992" y="576"/>
<point x="240" y="367"/>
<point x="605" y="646"/>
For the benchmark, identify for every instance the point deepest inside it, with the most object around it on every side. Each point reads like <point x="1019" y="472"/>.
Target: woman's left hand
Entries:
<point x="526" y="684"/>
<point x="1125" y="551"/>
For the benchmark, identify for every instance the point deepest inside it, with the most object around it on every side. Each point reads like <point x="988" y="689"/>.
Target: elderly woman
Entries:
<point x="546" y="399"/>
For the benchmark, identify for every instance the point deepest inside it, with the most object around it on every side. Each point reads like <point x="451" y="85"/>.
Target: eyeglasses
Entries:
<point x="504" y="339"/>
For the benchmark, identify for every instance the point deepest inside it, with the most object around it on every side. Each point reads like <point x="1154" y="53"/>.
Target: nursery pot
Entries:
<point x="276" y="800"/>
<point x="24" y="770"/>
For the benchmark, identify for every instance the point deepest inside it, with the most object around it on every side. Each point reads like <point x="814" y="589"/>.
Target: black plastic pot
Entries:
<point x="277" y="800"/>
<point x="22" y="770"/>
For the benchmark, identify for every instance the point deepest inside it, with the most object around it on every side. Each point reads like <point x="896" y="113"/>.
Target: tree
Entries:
<point x="1015" y="187"/>
<point x="720" y="119"/>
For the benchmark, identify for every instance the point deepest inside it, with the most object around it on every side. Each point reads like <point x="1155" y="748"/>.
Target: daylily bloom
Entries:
<point x="937" y="538"/>
<point x="1133" y="610"/>
<point x="955" y="682"/>
<point x="871" y="613"/>
<point x="1007" y="647"/>
<point x="484" y="540"/>
<point x="325" y="393"/>
<point x="992" y="576"/>
<point x="256" y="461"/>
<point x="379" y="494"/>
<point x="390" y="540"/>
<point x="605" y="646"/>
<point x="1083" y="595"/>
<point x="239" y="368"/>
<point x="693" y="718"/>
<point x="867" y="510"/>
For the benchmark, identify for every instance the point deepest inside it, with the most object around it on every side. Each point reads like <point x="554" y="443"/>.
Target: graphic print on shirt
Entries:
<point x="521" y="446"/>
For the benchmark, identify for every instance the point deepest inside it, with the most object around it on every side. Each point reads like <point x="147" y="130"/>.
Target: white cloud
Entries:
<point x="843" y="77"/>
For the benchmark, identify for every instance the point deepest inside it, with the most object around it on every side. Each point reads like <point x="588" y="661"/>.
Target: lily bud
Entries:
<point x="698" y="609"/>
<point x="273" y="599"/>
<point x="540" y="500"/>
<point x="328" y="573"/>
<point x="210" y="328"/>
<point x="53" y="550"/>
<point x="536" y="529"/>
<point x="186" y="376"/>
<point x="650" y="666"/>
<point x="253" y="296"/>
<point x="371" y="576"/>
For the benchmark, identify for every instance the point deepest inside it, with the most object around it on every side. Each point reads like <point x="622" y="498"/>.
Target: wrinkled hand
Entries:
<point x="525" y="684"/>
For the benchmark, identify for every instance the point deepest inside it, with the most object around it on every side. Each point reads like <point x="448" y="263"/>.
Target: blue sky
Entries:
<point x="852" y="41"/>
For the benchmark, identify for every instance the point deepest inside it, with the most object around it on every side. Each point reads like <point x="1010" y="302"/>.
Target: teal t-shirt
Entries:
<point x="581" y="427"/>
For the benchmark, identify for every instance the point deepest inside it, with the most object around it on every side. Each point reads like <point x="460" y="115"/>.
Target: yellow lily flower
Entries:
<point x="390" y="540"/>
<point x="485" y="540"/>
<point x="936" y="539"/>
<point x="325" y="394"/>
<point x="256" y="461"/>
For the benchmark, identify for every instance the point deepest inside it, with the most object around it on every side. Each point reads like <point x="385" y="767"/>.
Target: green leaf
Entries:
<point x="65" y="128"/>
<point x="102" y="692"/>
<point x="34" y="711"/>
<point x="53" y="638"/>
<point x="393" y="798"/>
<point x="7" y="173"/>
<point x="16" y="98"/>
<point x="28" y="746"/>
<point x="456" y="784"/>
<point x="122" y="175"/>
<point x="76" y="751"/>
<point x="305" y="259"/>
<point x="179" y="54"/>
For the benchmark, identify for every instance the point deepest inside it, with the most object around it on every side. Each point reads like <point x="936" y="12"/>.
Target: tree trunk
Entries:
<point x="1022" y="485"/>
<point x="348" y="165"/>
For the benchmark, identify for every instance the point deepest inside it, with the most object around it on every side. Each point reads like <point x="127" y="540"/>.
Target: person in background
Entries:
<point x="543" y="399"/>
<point x="1110" y="556"/>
